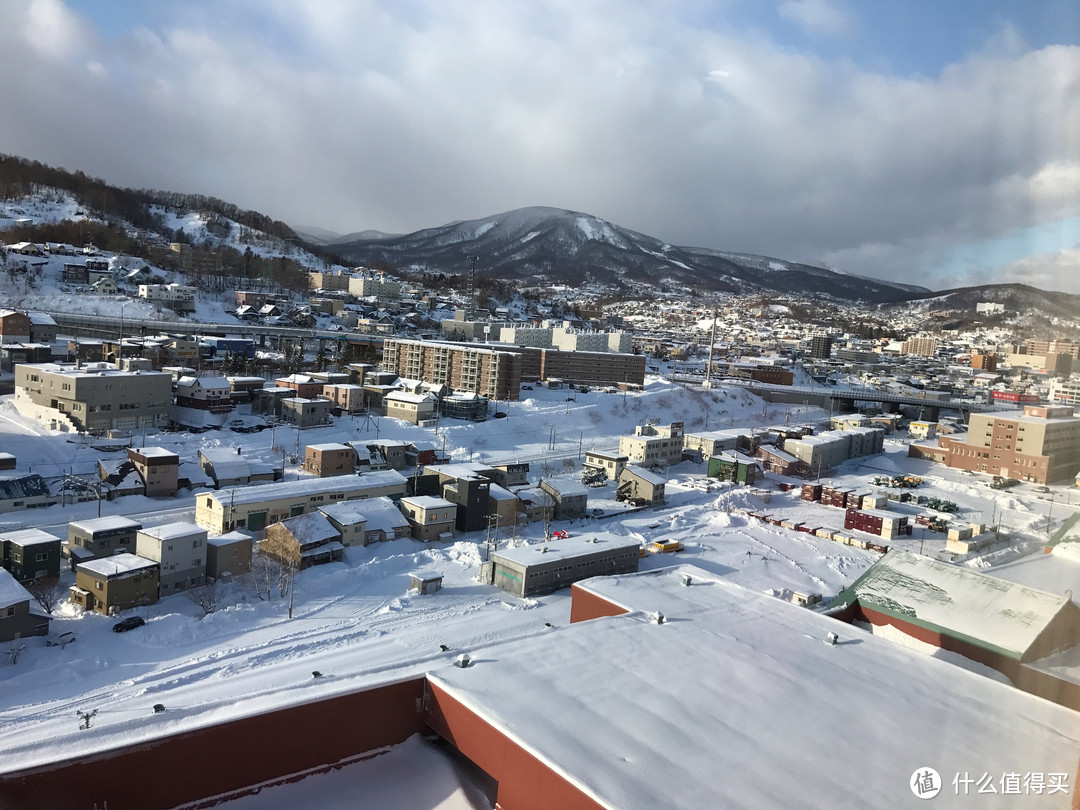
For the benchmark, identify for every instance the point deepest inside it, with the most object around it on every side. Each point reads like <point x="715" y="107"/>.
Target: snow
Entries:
<point x="995" y="612"/>
<point x="552" y="550"/>
<point x="117" y="565"/>
<point x="28" y="537"/>
<point x="109" y="523"/>
<point x="11" y="592"/>
<point x="173" y="531"/>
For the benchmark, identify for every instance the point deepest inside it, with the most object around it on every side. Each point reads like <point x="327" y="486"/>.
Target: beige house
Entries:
<point x="256" y="507"/>
<point x="93" y="397"/>
<point x="116" y="583"/>
<point x="177" y="297"/>
<point x="414" y="408"/>
<point x="303" y="541"/>
<point x="609" y="463"/>
<point x="344" y="397"/>
<point x="431" y="518"/>
<point x="640" y="487"/>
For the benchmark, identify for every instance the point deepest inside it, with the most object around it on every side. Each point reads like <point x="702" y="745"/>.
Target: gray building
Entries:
<point x="571" y="498"/>
<point x="539" y="569"/>
<point x="101" y="537"/>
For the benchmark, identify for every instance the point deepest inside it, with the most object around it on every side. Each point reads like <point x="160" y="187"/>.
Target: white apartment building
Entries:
<point x="1065" y="390"/>
<point x="177" y="297"/>
<point x="364" y="286"/>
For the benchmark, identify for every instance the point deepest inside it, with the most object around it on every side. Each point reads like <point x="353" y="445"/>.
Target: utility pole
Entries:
<point x="708" y="363"/>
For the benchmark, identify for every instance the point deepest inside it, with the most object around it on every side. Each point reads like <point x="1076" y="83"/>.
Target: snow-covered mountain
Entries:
<point x="560" y="245"/>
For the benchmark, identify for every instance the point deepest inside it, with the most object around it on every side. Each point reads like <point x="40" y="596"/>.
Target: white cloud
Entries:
<point x="817" y="17"/>
<point x="401" y="116"/>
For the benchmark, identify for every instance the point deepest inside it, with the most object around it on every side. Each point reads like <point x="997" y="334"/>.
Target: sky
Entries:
<point x="934" y="143"/>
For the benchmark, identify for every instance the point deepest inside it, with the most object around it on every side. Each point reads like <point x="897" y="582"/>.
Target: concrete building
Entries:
<point x="344" y="397"/>
<point x="374" y="284"/>
<point x="539" y="569"/>
<point x="591" y="368"/>
<point x="180" y="551"/>
<point x="159" y="469"/>
<point x="431" y="518"/>
<point x="462" y="485"/>
<point x="464" y="368"/>
<point x="821" y="346"/>
<point x="19" y="491"/>
<point x="1042" y="445"/>
<point x="179" y="298"/>
<point x="654" y="444"/>
<point x="923" y="346"/>
<point x="115" y="584"/>
<point x="1065" y="390"/>
<point x="822" y="452"/>
<point x="100" y="537"/>
<point x="325" y="460"/>
<point x="256" y="507"/>
<point x="14" y="326"/>
<point x="715" y="442"/>
<point x="228" y="468"/>
<point x="95" y="397"/>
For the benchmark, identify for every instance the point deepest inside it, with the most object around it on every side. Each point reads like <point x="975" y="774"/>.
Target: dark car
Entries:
<point x="500" y="414"/>
<point x="130" y="623"/>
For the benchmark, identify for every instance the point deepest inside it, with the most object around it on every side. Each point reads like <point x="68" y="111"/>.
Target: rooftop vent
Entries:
<point x="463" y="661"/>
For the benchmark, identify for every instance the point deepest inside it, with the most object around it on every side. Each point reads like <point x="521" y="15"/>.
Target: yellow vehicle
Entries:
<point x="664" y="546"/>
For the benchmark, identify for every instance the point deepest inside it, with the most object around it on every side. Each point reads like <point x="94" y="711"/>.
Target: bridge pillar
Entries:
<point x="931" y="413"/>
<point x="890" y="407"/>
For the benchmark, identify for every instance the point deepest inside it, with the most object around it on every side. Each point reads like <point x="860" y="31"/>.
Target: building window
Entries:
<point x="99" y="585"/>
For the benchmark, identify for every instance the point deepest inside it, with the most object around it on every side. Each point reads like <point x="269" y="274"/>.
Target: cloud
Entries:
<point x="817" y="17"/>
<point x="354" y="115"/>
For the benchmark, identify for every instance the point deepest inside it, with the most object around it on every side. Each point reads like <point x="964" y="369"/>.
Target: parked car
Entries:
<point x="130" y="623"/>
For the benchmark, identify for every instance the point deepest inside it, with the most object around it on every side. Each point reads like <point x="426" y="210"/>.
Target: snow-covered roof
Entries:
<point x="11" y="592"/>
<point x="645" y="475"/>
<point x="1004" y="616"/>
<point x="329" y="447"/>
<point x="117" y="565"/>
<point x="29" y="537"/>
<point x="307" y="486"/>
<point x="500" y="493"/>
<point x="155" y="452"/>
<point x="429" y="502"/>
<point x="105" y="524"/>
<point x="172" y="531"/>
<point x="573" y="546"/>
<point x="311" y="528"/>
<point x="227" y="539"/>
<point x="629" y="717"/>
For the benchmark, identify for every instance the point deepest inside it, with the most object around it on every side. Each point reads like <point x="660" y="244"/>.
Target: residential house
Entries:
<point x="608" y="462"/>
<point x="571" y="498"/>
<point x="230" y="468"/>
<point x="413" y="408"/>
<point x="179" y="549"/>
<point x="431" y="518"/>
<point x="303" y="541"/>
<point x="640" y="487"/>
<point x="536" y="504"/>
<point x="228" y="555"/>
<point x="212" y="394"/>
<point x="30" y="554"/>
<point x="18" y="619"/>
<point x="19" y="490"/>
<point x="114" y="584"/>
<point x="654" y="444"/>
<point x="102" y="537"/>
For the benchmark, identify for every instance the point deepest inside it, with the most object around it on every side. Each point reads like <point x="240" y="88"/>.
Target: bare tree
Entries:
<point x="48" y="591"/>
<point x="14" y="652"/>
<point x="206" y="596"/>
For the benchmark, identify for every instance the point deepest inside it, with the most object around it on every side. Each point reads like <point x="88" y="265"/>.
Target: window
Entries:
<point x="41" y="556"/>
<point x="99" y="585"/>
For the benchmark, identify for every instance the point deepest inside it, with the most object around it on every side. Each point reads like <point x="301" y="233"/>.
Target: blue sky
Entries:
<point x="934" y="141"/>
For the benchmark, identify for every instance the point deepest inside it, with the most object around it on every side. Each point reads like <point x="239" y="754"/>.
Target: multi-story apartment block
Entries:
<point x="821" y="346"/>
<point x="654" y="444"/>
<point x="364" y="286"/>
<point x="94" y="397"/>
<point x="487" y="372"/>
<point x="177" y="297"/>
<point x="1042" y="445"/>
<point x="984" y="361"/>
<point x="923" y="346"/>
<point x="592" y="368"/>
<point x="1065" y="390"/>
<point x="329" y="281"/>
<point x="1069" y="347"/>
<point x="159" y="469"/>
